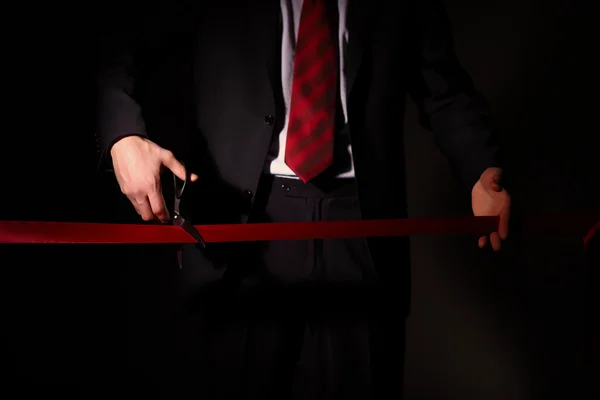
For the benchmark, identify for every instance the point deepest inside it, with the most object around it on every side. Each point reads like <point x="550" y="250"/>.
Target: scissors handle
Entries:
<point x="180" y="185"/>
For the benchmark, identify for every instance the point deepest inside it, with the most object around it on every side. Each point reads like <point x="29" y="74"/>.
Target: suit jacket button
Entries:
<point x="248" y="194"/>
<point x="269" y="119"/>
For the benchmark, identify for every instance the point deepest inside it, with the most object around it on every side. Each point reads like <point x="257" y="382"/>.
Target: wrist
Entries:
<point x="123" y="141"/>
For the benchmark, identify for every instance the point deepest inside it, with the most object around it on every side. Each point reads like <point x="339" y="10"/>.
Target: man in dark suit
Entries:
<point x="298" y="116"/>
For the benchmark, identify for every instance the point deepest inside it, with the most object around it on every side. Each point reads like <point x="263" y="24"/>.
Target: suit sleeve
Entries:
<point x="118" y="76"/>
<point x="449" y="104"/>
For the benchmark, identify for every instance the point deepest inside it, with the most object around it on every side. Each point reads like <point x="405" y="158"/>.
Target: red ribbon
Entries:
<point x="25" y="232"/>
<point x="584" y="224"/>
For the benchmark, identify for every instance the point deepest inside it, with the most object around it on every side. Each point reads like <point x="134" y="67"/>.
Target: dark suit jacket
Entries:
<point x="232" y="50"/>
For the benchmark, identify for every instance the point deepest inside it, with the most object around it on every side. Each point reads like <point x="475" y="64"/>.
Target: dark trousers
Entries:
<point x="310" y="318"/>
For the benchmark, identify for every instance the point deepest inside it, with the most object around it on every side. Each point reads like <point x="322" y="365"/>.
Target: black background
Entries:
<point x="494" y="326"/>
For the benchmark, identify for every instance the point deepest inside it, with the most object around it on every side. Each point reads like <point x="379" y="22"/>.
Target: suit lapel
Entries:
<point x="357" y="23"/>
<point x="274" y="56"/>
<point x="266" y="16"/>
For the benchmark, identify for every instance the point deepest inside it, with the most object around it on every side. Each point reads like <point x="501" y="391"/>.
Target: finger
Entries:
<point x="176" y="166"/>
<point x="134" y="204"/>
<point x="159" y="208"/>
<point x="496" y="187"/>
<point x="495" y="241"/>
<point x="169" y="161"/>
<point x="504" y="222"/>
<point x="482" y="242"/>
<point x="144" y="208"/>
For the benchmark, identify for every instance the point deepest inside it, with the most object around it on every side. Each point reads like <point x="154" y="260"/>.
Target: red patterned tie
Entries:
<point x="309" y="146"/>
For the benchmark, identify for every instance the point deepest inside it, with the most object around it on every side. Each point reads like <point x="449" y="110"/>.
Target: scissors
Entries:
<point x="178" y="219"/>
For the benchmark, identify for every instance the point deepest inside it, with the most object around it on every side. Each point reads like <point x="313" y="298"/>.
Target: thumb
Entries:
<point x="173" y="164"/>
<point x="494" y="179"/>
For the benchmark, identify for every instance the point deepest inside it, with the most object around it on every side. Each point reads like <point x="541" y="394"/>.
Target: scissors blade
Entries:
<point x="189" y="228"/>
<point x="195" y="234"/>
